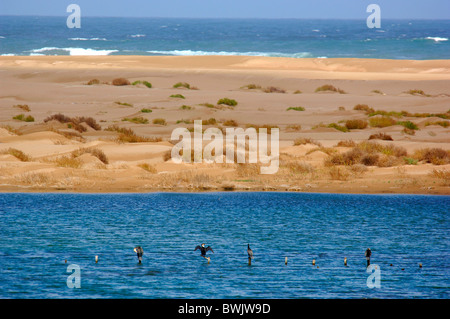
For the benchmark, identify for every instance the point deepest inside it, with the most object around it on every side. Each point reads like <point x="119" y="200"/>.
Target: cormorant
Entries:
<point x="249" y="251"/>
<point x="139" y="251"/>
<point x="368" y="254"/>
<point x="204" y="250"/>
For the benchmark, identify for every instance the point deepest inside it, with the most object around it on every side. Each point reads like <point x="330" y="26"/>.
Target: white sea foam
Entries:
<point x="137" y="35"/>
<point x="201" y="53"/>
<point x="437" y="39"/>
<point x="87" y="39"/>
<point x="72" y="51"/>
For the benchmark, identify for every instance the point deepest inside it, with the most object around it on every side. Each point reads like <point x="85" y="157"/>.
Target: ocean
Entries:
<point x="39" y="232"/>
<point x="396" y="39"/>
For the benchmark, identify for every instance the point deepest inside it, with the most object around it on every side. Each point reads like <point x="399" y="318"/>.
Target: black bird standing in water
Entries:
<point x="368" y="254"/>
<point x="249" y="251"/>
<point x="139" y="251"/>
<point x="204" y="250"/>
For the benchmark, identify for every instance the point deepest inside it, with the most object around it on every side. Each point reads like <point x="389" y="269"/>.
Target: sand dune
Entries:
<point x="58" y="84"/>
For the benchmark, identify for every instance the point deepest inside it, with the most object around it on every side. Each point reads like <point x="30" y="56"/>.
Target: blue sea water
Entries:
<point x="38" y="232"/>
<point x="396" y="39"/>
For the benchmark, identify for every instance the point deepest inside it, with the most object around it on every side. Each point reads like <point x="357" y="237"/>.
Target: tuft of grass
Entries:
<point x="298" y="92"/>
<point x="417" y="92"/>
<point x="329" y="88"/>
<point x="120" y="82"/>
<point x="338" y="173"/>
<point x="410" y="161"/>
<point x="177" y="96"/>
<point x="93" y="82"/>
<point x="127" y="135"/>
<point x="377" y="92"/>
<point x="149" y="168"/>
<point x="383" y="121"/>
<point x="211" y="121"/>
<point x="184" y="121"/>
<point x="123" y="103"/>
<point x="266" y="126"/>
<point x="146" y="83"/>
<point x="251" y="87"/>
<point x="67" y="161"/>
<point x="24" y="107"/>
<point x="186" y="107"/>
<point x="208" y="105"/>
<point x="296" y="108"/>
<point x="363" y="107"/>
<point x="227" y="101"/>
<point x="435" y="156"/>
<point x="137" y="120"/>
<point x="159" y="121"/>
<point x="273" y="89"/>
<point x="441" y="123"/>
<point x="22" y="117"/>
<point x="381" y="136"/>
<point x="385" y="113"/>
<point x="182" y="85"/>
<point x="356" y="124"/>
<point x="230" y="123"/>
<point x="17" y="154"/>
<point x="408" y="124"/>
<point x="346" y="143"/>
<point x="294" y="127"/>
<point x="338" y="127"/>
<point x="369" y="154"/>
<point x="93" y="151"/>
<point x="303" y="141"/>
<point x="443" y="175"/>
<point x="144" y="110"/>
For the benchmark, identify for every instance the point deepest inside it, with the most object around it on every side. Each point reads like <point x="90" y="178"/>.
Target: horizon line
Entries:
<point x="218" y="18"/>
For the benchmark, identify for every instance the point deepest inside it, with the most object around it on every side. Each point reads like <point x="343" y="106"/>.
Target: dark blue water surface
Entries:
<point x="38" y="232"/>
<point x="396" y="39"/>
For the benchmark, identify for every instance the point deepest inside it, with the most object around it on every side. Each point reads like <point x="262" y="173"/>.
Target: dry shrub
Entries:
<point x="369" y="159"/>
<point x="66" y="161"/>
<point x="363" y="107"/>
<point x="303" y="141"/>
<point x="248" y="169"/>
<point x="443" y="175"/>
<point x="356" y="124"/>
<point x="74" y="122"/>
<point x="24" y="107"/>
<point x="338" y="173"/>
<point x="389" y="161"/>
<point x="149" y="168"/>
<point x="331" y="88"/>
<point x="159" y="121"/>
<point x="381" y="121"/>
<point x="409" y="131"/>
<point x="127" y="135"/>
<point x="32" y="178"/>
<point x="299" y="167"/>
<point x="273" y="89"/>
<point x="358" y="169"/>
<point x="435" y="156"/>
<point x="93" y="81"/>
<point x="369" y="154"/>
<point x="17" y="154"/>
<point x="120" y="82"/>
<point x="230" y="123"/>
<point x="381" y="136"/>
<point x="93" y="151"/>
<point x="346" y="143"/>
<point x="294" y="127"/>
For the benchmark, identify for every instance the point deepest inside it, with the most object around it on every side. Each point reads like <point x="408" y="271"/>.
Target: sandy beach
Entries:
<point x="320" y="150"/>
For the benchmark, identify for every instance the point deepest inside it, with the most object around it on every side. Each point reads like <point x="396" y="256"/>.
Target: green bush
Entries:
<point x="227" y="101"/>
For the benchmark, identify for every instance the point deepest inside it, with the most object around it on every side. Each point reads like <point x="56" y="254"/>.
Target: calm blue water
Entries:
<point x="39" y="231"/>
<point x="396" y="39"/>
